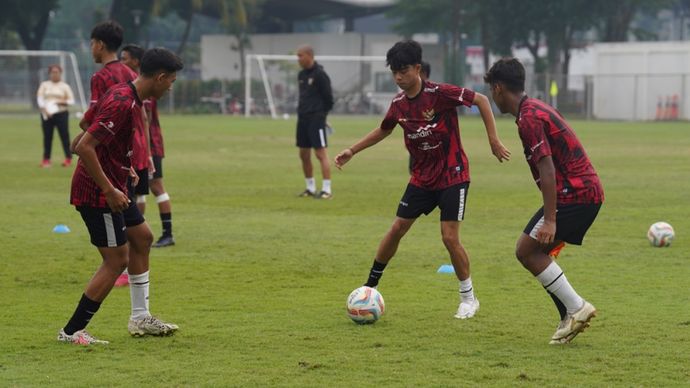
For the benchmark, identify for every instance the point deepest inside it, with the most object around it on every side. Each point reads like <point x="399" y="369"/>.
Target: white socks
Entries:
<point x="326" y="186"/>
<point x="139" y="293"/>
<point x="311" y="184"/>
<point x="554" y="281"/>
<point x="466" y="292"/>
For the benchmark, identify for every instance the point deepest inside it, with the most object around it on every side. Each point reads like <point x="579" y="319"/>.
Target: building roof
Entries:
<point x="280" y="15"/>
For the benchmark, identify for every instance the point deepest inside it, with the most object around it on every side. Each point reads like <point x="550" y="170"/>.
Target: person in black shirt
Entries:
<point x="315" y="101"/>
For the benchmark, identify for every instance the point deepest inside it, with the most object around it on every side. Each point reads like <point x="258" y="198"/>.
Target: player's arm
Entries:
<point x="86" y="149"/>
<point x="482" y="102"/>
<point x="41" y="101"/>
<point x="367" y="141"/>
<point x="145" y="118"/>
<point x="326" y="92"/>
<point x="547" y="184"/>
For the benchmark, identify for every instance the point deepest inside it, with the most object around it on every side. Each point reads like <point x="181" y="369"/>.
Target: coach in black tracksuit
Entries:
<point x="315" y="101"/>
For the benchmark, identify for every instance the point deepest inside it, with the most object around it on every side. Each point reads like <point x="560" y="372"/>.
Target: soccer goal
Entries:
<point x="24" y="70"/>
<point x="361" y="84"/>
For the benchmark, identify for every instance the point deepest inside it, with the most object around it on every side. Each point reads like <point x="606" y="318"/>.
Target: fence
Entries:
<point x="628" y="97"/>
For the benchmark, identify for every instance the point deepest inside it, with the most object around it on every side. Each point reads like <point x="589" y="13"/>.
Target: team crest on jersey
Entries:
<point x="428" y="114"/>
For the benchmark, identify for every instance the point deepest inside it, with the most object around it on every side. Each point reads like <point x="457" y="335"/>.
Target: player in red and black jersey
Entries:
<point x="106" y="38"/>
<point x="426" y="111"/>
<point x="570" y="187"/>
<point x="152" y="137"/>
<point x="99" y="193"/>
<point x="158" y="152"/>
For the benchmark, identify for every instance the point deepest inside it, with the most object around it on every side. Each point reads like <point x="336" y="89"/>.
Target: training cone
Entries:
<point x="446" y="268"/>
<point x="61" y="229"/>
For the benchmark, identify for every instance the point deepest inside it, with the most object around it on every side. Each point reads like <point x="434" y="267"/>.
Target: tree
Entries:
<point x="29" y="18"/>
<point x="185" y="10"/>
<point x="452" y="20"/>
<point x="133" y="16"/>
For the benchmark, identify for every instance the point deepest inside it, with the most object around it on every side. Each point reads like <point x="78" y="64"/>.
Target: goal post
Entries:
<point x="361" y="84"/>
<point x="18" y="88"/>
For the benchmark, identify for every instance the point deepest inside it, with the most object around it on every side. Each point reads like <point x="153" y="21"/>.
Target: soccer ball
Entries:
<point x="660" y="234"/>
<point x="365" y="305"/>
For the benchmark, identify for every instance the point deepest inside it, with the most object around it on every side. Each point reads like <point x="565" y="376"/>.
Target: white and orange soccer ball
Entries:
<point x="660" y="234"/>
<point x="365" y="305"/>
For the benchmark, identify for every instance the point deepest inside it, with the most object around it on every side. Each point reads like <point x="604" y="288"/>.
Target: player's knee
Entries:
<point x="398" y="229"/>
<point x="521" y="254"/>
<point x="162" y="198"/>
<point x="142" y="240"/>
<point x="450" y="239"/>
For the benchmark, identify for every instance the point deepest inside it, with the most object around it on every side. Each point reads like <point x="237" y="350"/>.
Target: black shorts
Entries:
<point x="450" y="200"/>
<point x="572" y="222"/>
<point x="142" y="187"/>
<point x="158" y="164"/>
<point x="107" y="229"/>
<point x="311" y="131"/>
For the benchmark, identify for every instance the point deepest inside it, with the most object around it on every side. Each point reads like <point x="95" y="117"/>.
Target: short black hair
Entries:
<point x="509" y="72"/>
<point x="109" y="32"/>
<point x="404" y="53"/>
<point x="426" y="69"/>
<point x="157" y="60"/>
<point x="134" y="50"/>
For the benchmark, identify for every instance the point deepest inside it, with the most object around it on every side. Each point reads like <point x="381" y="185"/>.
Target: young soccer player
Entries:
<point x="426" y="111"/>
<point x="571" y="191"/>
<point x="99" y="188"/>
<point x="131" y="55"/>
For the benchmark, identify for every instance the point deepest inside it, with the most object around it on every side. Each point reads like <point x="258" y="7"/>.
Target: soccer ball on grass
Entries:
<point x="365" y="305"/>
<point x="660" y="234"/>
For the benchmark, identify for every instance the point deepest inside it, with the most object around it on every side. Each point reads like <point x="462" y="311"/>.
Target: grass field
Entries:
<point x="258" y="278"/>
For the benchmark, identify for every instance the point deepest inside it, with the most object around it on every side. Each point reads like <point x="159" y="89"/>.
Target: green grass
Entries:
<point x="258" y="279"/>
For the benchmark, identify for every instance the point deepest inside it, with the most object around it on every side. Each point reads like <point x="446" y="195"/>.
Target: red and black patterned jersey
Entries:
<point x="432" y="136"/>
<point x="111" y="74"/>
<point x="544" y="132"/>
<point x="117" y="114"/>
<point x="157" y="149"/>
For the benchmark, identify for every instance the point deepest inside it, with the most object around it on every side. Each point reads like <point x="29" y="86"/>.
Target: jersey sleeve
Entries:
<point x="326" y="91"/>
<point x="534" y="138"/>
<point x="391" y="119"/>
<point x="98" y="88"/>
<point x="69" y="95"/>
<point x="452" y="96"/>
<point x="111" y="115"/>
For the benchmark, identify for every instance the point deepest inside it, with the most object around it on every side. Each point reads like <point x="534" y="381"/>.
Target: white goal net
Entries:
<point x="361" y="84"/>
<point x="24" y="70"/>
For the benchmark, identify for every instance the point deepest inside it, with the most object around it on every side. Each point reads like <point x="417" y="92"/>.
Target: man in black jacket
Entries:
<point x="315" y="100"/>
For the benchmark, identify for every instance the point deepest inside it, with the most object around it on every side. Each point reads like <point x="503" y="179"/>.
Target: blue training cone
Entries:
<point x="446" y="268"/>
<point x="60" y="228"/>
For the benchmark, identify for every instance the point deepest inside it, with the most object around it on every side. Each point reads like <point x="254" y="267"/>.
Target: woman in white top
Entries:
<point x="54" y="96"/>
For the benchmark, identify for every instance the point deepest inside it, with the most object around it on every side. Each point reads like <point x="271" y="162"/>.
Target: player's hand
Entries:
<point x="343" y="157"/>
<point x="547" y="233"/>
<point x="117" y="200"/>
<point x="500" y="151"/>
<point x="135" y="177"/>
<point x="151" y="168"/>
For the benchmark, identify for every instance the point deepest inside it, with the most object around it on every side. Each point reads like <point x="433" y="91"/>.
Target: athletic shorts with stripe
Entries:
<point x="311" y="131"/>
<point x="108" y="229"/>
<point x="572" y="222"/>
<point x="451" y="200"/>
